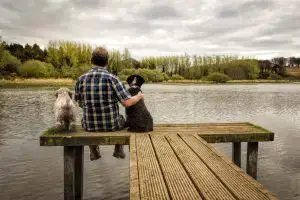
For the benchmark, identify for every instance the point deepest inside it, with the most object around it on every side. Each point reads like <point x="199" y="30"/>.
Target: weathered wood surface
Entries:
<point x="134" y="174"/>
<point x="79" y="160"/>
<point x="69" y="173"/>
<point x="185" y="167"/>
<point x="174" y="161"/>
<point x="151" y="180"/>
<point x="252" y="153"/>
<point x="210" y="132"/>
<point x="236" y="153"/>
<point x="73" y="172"/>
<point x="180" y="186"/>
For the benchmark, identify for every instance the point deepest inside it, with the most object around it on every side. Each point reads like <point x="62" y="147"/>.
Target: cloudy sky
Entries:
<point x="260" y="28"/>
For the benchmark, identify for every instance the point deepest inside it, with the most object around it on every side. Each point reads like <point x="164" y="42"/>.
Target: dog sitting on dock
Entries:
<point x="64" y="110"/>
<point x="139" y="118"/>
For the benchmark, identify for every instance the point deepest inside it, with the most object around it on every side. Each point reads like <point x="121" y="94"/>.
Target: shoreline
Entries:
<point x="51" y="82"/>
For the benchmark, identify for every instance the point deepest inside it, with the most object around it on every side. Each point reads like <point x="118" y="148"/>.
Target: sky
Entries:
<point x="257" y="28"/>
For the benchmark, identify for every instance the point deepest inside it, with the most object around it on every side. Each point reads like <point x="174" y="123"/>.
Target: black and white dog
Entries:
<point x="139" y="118"/>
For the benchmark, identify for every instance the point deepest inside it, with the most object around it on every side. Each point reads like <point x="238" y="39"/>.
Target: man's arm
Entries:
<point x="133" y="100"/>
<point x="123" y="95"/>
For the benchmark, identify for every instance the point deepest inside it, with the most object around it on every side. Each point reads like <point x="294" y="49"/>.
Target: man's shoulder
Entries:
<point x="104" y="75"/>
<point x="88" y="73"/>
<point x="112" y="77"/>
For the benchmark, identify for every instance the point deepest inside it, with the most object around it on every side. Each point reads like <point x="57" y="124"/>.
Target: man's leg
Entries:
<point x="119" y="149"/>
<point x="94" y="152"/>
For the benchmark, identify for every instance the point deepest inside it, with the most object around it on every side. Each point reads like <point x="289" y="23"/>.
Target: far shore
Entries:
<point x="51" y="82"/>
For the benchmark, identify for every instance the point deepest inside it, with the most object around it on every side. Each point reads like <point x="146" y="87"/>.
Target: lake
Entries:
<point x="28" y="171"/>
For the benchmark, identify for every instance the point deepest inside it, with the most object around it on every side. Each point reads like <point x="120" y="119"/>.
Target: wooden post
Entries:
<point x="252" y="152"/>
<point x="73" y="172"/>
<point x="79" y="158"/>
<point x="236" y="153"/>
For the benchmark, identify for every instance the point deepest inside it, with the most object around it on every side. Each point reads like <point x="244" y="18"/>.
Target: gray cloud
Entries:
<point x="254" y="27"/>
<point x="88" y="4"/>
<point x="253" y="6"/>
<point x="160" y="11"/>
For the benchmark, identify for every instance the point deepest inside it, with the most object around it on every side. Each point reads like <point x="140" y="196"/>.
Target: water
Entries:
<point x="28" y="171"/>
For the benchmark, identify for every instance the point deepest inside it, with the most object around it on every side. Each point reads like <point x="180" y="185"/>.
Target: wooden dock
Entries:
<point x="174" y="161"/>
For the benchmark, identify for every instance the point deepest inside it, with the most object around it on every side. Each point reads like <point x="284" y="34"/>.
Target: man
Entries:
<point x="98" y="93"/>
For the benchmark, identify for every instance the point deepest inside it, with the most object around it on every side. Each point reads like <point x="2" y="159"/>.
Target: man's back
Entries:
<point x="98" y="93"/>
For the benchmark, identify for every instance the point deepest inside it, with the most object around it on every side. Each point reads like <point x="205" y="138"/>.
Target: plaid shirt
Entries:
<point x="98" y="93"/>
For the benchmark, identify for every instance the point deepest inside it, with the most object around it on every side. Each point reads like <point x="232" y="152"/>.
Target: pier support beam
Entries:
<point x="236" y="153"/>
<point x="73" y="172"/>
<point x="252" y="153"/>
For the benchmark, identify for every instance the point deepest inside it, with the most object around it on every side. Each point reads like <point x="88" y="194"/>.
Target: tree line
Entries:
<point x="68" y="59"/>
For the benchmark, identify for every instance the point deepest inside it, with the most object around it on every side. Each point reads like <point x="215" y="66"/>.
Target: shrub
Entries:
<point x="241" y="69"/>
<point x="34" y="69"/>
<point x="218" y="77"/>
<point x="275" y="77"/>
<point x="147" y="74"/>
<point x="8" y="64"/>
<point x="166" y="76"/>
<point x="76" y="72"/>
<point x="282" y="71"/>
<point x="66" y="72"/>
<point x="51" y="71"/>
<point x="123" y="77"/>
<point x="176" y="77"/>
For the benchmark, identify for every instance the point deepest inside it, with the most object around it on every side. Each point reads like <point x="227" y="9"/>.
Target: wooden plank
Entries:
<point x="134" y="174"/>
<point x="246" y="129"/>
<point x="237" y="137"/>
<point x="69" y="173"/>
<point x="177" y="180"/>
<point x="205" y="181"/>
<point x="237" y="184"/>
<point x="240" y="171"/>
<point x="236" y="153"/>
<point x="71" y="140"/>
<point x="152" y="185"/>
<point x="211" y="133"/>
<point x="204" y="124"/>
<point x="79" y="160"/>
<point x="252" y="153"/>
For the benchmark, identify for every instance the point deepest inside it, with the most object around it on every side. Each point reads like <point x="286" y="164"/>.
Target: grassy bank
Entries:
<point x="28" y="83"/>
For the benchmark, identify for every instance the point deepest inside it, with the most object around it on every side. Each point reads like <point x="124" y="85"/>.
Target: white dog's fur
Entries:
<point x="64" y="109"/>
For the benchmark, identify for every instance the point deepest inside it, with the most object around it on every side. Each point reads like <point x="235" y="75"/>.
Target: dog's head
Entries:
<point x="135" y="80"/>
<point x="63" y="92"/>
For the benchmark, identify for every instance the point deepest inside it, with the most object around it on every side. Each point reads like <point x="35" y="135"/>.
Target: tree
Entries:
<point x="279" y="61"/>
<point x="292" y="61"/>
<point x="16" y="50"/>
<point x="126" y="59"/>
<point x="297" y="62"/>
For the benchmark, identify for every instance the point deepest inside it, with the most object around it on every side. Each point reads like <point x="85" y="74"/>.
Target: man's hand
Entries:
<point x="141" y="95"/>
<point x="133" y="100"/>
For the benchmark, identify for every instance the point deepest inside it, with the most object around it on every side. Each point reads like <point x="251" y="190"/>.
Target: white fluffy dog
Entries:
<point x="64" y="109"/>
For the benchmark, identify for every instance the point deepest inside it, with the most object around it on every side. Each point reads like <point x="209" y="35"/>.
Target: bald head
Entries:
<point x="100" y="57"/>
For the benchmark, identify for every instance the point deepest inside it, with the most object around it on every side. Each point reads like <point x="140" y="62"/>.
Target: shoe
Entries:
<point x="94" y="153"/>
<point x="119" y="152"/>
